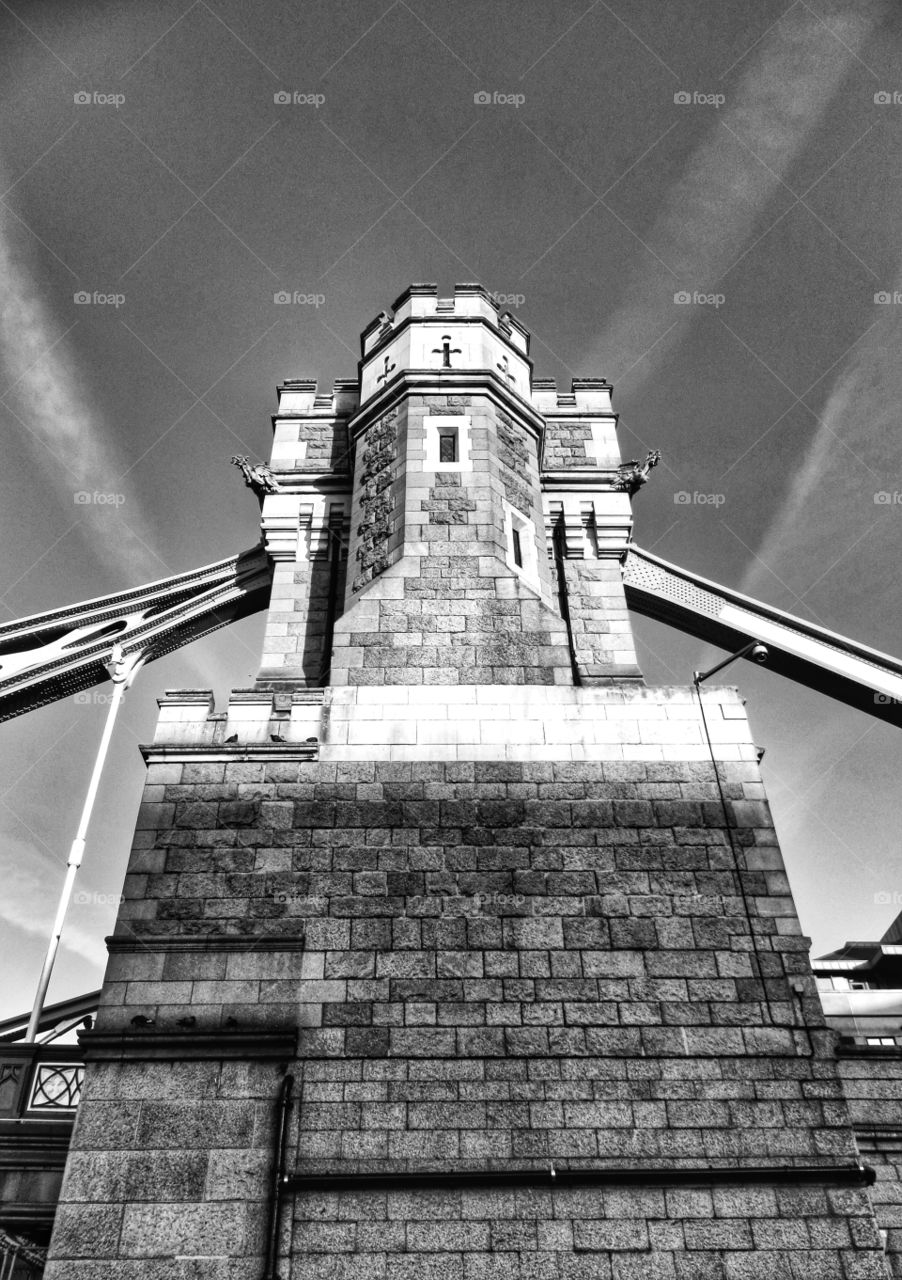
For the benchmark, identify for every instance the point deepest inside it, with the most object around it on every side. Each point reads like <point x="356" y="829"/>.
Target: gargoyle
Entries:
<point x="257" y="477"/>
<point x="633" y="474"/>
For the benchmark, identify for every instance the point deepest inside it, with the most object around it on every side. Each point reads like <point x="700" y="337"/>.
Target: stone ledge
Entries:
<point x="212" y="942"/>
<point x="130" y="1046"/>
<point x="213" y="753"/>
<point x="550" y="1176"/>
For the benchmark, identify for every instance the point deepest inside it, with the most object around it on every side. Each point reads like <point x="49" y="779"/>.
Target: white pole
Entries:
<point x="123" y="670"/>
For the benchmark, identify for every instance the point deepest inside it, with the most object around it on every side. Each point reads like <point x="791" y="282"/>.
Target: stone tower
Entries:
<point x="451" y="949"/>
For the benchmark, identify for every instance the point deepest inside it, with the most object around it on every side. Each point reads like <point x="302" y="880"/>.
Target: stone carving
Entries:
<point x="633" y="474"/>
<point x="377" y="501"/>
<point x="57" y="1086"/>
<point x="514" y="456"/>
<point x="257" y="477"/>
<point x="446" y="351"/>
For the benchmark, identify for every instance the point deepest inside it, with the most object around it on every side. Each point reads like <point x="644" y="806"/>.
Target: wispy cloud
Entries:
<point x="46" y="399"/>
<point x="847" y="499"/>
<point x="711" y="216"/>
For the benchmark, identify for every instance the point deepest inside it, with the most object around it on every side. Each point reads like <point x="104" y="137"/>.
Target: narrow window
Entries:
<point x="518" y="549"/>
<point x="447" y="446"/>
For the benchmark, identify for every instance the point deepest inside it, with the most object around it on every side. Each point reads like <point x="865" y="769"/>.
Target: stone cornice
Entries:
<point x="231" y="752"/>
<point x="447" y="382"/>
<point x="442" y="319"/>
<point x="167" y="1046"/>
<point x="587" y="478"/>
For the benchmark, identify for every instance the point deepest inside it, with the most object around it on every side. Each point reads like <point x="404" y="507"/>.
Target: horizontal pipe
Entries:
<point x="841" y="1174"/>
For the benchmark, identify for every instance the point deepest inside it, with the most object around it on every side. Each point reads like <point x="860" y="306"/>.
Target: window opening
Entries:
<point x="447" y="446"/>
<point x="518" y="549"/>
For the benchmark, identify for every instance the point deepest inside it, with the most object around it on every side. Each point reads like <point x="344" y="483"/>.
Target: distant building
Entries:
<point x="861" y="990"/>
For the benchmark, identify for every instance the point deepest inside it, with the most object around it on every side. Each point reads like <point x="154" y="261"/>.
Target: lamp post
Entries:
<point x="122" y="668"/>
<point x="758" y="653"/>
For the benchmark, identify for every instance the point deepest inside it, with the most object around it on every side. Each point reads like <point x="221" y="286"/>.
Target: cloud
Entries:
<point x="55" y="415"/>
<point x="836" y="511"/>
<point x="712" y="211"/>
<point x="53" y="411"/>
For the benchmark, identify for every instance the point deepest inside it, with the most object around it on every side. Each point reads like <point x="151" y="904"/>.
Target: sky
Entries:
<point x="699" y="201"/>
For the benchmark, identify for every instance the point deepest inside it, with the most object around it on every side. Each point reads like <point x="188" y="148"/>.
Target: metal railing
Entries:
<point x="40" y="1082"/>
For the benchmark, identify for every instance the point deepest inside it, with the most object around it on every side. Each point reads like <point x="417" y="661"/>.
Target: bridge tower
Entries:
<point x="450" y="949"/>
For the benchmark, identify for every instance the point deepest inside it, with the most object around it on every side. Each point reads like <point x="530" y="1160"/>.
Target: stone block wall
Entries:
<point x="306" y="594"/>
<point x="433" y="597"/>
<point x="602" y="635"/>
<point x="660" y="1233"/>
<point x="532" y="722"/>
<point x="488" y="965"/>
<point x="872" y="1084"/>
<point x="168" y="1174"/>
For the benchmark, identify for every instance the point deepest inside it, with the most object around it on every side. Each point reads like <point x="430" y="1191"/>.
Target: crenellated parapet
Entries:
<point x="436" y="335"/>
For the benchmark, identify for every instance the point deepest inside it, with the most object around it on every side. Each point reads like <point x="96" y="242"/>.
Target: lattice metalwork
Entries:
<point x="799" y="649"/>
<point x="20" y="1259"/>
<point x="640" y="571"/>
<point x="56" y="654"/>
<point x="56" y="1086"/>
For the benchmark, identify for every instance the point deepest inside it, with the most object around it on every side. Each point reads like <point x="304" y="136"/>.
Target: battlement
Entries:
<point x="586" y="396"/>
<point x="301" y="397"/>
<point x="421" y="303"/>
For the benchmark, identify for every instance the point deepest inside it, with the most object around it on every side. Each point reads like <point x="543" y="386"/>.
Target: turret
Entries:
<point x="486" y="514"/>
